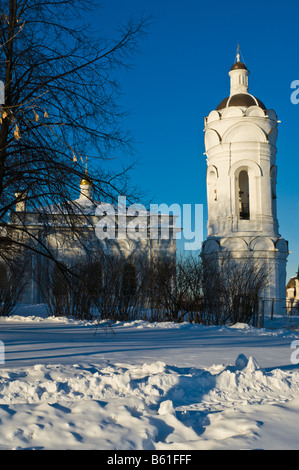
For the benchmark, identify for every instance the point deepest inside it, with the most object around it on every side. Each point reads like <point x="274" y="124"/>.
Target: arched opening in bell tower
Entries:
<point x="273" y="177"/>
<point x="212" y="187"/>
<point x="243" y="187"/>
<point x="212" y="177"/>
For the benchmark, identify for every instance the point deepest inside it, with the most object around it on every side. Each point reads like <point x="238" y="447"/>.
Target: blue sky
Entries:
<point x="181" y="74"/>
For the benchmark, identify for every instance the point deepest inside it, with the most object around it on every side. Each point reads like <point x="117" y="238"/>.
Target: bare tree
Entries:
<point x="60" y="109"/>
<point x="124" y="291"/>
<point x="232" y="288"/>
<point x="13" y="280"/>
<point x="218" y="291"/>
<point x="176" y="288"/>
<point x="105" y="287"/>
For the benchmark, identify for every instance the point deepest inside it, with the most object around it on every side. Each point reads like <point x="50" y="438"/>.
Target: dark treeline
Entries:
<point x="160" y="289"/>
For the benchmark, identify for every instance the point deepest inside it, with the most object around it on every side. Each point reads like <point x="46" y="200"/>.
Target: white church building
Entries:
<point x="85" y="229"/>
<point x="240" y="147"/>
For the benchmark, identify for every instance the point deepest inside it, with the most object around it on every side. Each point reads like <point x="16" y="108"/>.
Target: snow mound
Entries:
<point x="70" y="384"/>
<point x="147" y="406"/>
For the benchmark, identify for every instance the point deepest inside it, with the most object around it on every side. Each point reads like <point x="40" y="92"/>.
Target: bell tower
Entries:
<point x="240" y="146"/>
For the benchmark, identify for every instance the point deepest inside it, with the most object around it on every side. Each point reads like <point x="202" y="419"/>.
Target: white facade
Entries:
<point x="240" y="145"/>
<point x="293" y="295"/>
<point x="71" y="238"/>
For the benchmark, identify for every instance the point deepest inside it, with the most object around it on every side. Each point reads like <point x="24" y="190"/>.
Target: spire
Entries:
<point x="86" y="180"/>
<point x="238" y="63"/>
<point x="238" y="76"/>
<point x="238" y="53"/>
<point x="86" y="185"/>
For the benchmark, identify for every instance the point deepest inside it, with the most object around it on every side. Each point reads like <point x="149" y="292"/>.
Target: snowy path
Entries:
<point x="146" y="386"/>
<point x="67" y="342"/>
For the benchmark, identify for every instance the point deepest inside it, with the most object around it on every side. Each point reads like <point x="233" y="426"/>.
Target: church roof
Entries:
<point x="238" y="65"/>
<point x="241" y="99"/>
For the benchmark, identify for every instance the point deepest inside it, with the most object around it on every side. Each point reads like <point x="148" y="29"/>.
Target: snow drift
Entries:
<point x="154" y="404"/>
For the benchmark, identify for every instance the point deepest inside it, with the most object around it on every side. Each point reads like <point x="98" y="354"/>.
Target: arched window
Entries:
<point x="129" y="283"/>
<point x="273" y="177"/>
<point x="243" y="186"/>
<point x="212" y="186"/>
<point x="212" y="189"/>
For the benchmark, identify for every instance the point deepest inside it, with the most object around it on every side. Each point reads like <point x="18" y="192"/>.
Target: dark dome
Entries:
<point x="223" y="103"/>
<point x="241" y="99"/>
<point x="238" y="65"/>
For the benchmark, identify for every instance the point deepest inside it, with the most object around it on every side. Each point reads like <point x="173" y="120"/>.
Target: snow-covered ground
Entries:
<point x="66" y="384"/>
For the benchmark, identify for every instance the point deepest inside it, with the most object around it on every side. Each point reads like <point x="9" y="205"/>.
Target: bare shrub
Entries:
<point x="232" y="288"/>
<point x="207" y="291"/>
<point x="175" y="292"/>
<point x="108" y="287"/>
<point x="123" y="294"/>
<point x="54" y="283"/>
<point x="13" y="280"/>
